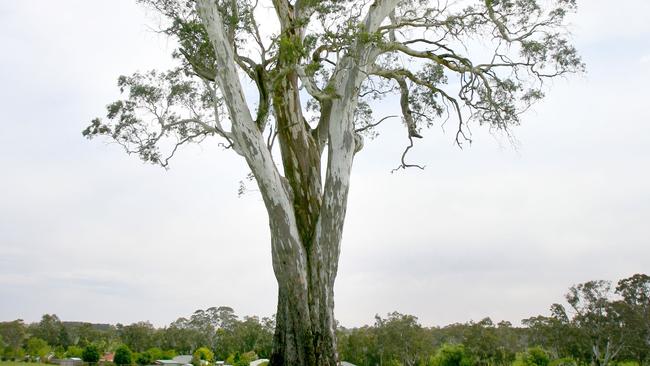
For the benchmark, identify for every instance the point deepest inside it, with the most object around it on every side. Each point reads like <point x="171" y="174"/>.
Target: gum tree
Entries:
<point x="282" y="82"/>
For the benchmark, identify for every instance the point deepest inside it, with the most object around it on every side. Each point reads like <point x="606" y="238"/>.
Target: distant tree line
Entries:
<point x="214" y="333"/>
<point x="599" y="325"/>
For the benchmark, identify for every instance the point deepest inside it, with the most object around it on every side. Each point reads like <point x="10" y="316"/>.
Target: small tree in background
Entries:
<point x="90" y="354"/>
<point x="635" y="307"/>
<point x="37" y="348"/>
<point x="534" y="356"/>
<point x="205" y="354"/>
<point x="143" y="358"/>
<point x="168" y="354"/>
<point x="241" y="359"/>
<point x="123" y="355"/>
<point x="74" y="351"/>
<point x="452" y="355"/>
<point x="202" y="355"/>
<point x="156" y="354"/>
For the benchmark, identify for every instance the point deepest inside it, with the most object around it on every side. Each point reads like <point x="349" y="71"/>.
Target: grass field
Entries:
<point x="14" y="363"/>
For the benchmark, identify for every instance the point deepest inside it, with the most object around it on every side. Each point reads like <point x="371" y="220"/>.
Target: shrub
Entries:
<point x="451" y="355"/>
<point x="204" y="353"/>
<point x="566" y="361"/>
<point x="168" y="354"/>
<point x="123" y="355"/>
<point x="627" y="363"/>
<point x="90" y="354"/>
<point x="143" y="358"/>
<point x="74" y="351"/>
<point x="534" y="356"/>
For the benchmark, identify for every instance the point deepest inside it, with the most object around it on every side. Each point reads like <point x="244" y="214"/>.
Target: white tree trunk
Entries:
<point x="305" y="271"/>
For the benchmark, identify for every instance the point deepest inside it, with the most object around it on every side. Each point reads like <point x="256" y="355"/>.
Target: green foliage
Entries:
<point x="168" y="354"/>
<point x="37" y="348"/>
<point x="17" y="354"/>
<point x="157" y="354"/>
<point x="59" y="352"/>
<point x="393" y="362"/>
<point x="529" y="38"/>
<point x="143" y="358"/>
<point x="90" y="354"/>
<point x="627" y="363"/>
<point x="243" y="359"/>
<point x="396" y="339"/>
<point x="534" y="356"/>
<point x="74" y="351"/>
<point x="204" y="353"/>
<point x="400" y="337"/>
<point x="358" y="346"/>
<point x="251" y="334"/>
<point x="51" y="329"/>
<point x="13" y="334"/>
<point x="565" y="361"/>
<point x="123" y="355"/>
<point x="451" y="355"/>
<point x="162" y="94"/>
<point x="196" y="360"/>
<point x="137" y="336"/>
<point x="291" y="50"/>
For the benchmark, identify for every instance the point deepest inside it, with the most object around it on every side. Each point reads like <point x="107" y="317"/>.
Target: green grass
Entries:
<point x="14" y="363"/>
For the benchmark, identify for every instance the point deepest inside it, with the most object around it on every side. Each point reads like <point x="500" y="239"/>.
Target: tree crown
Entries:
<point x="484" y="61"/>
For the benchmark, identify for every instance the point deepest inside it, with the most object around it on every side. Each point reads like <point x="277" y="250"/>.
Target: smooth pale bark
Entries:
<point x="306" y="224"/>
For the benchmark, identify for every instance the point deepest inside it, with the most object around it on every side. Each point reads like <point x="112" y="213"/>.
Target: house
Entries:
<point x="72" y="361"/>
<point x="169" y="363"/>
<point x="107" y="357"/>
<point x="166" y="363"/>
<point x="181" y="360"/>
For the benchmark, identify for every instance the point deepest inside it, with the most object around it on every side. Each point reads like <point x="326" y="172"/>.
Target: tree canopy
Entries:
<point x="485" y="61"/>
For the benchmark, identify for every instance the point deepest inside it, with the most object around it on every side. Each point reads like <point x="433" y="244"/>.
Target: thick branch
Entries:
<point x="246" y="134"/>
<point x="350" y="73"/>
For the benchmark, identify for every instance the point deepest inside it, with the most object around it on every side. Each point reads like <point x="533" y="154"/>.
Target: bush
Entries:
<point x="394" y="362"/>
<point x="627" y="363"/>
<point x="451" y="355"/>
<point x="74" y="351"/>
<point x="156" y="353"/>
<point x="534" y="356"/>
<point x="566" y="361"/>
<point x="90" y="354"/>
<point x="11" y="354"/>
<point x="244" y="359"/>
<point x="168" y="354"/>
<point x="143" y="358"/>
<point x="204" y="353"/>
<point x="123" y="355"/>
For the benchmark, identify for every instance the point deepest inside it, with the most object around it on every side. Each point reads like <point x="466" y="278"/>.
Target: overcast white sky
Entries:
<point x="92" y="234"/>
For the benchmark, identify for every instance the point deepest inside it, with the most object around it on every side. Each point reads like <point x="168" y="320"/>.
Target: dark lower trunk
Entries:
<point x="306" y="339"/>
